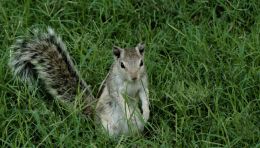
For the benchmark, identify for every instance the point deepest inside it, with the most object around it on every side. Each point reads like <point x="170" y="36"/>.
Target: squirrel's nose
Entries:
<point x="134" y="78"/>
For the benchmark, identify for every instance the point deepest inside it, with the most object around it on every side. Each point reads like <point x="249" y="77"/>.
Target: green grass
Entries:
<point x="202" y="57"/>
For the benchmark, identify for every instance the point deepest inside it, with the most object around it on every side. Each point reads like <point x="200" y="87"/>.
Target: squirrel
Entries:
<point x="125" y="84"/>
<point x="45" y="57"/>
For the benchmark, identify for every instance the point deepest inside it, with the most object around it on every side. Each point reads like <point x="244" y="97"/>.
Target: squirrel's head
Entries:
<point x="130" y="62"/>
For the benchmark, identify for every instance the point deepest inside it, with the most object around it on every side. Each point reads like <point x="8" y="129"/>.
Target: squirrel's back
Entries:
<point x="45" y="57"/>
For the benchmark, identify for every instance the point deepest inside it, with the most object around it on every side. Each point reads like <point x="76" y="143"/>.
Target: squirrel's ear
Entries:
<point x="117" y="51"/>
<point x="140" y="47"/>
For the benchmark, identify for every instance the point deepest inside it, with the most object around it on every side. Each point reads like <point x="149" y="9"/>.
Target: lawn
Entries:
<point x="202" y="58"/>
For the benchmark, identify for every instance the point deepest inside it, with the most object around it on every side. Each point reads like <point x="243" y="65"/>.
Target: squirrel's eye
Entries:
<point x="122" y="65"/>
<point x="141" y="63"/>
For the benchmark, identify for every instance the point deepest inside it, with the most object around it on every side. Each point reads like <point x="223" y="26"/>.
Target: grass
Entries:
<point x="202" y="57"/>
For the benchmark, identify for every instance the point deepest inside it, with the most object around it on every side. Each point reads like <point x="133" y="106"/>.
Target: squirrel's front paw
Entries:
<point x="146" y="114"/>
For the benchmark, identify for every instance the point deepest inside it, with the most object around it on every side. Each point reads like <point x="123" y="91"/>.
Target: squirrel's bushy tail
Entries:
<point x="45" y="57"/>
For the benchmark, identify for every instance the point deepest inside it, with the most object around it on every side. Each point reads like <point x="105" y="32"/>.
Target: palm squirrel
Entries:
<point x="125" y="84"/>
<point x="45" y="57"/>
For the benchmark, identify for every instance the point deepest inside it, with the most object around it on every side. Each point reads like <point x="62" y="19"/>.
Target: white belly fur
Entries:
<point x="113" y="117"/>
